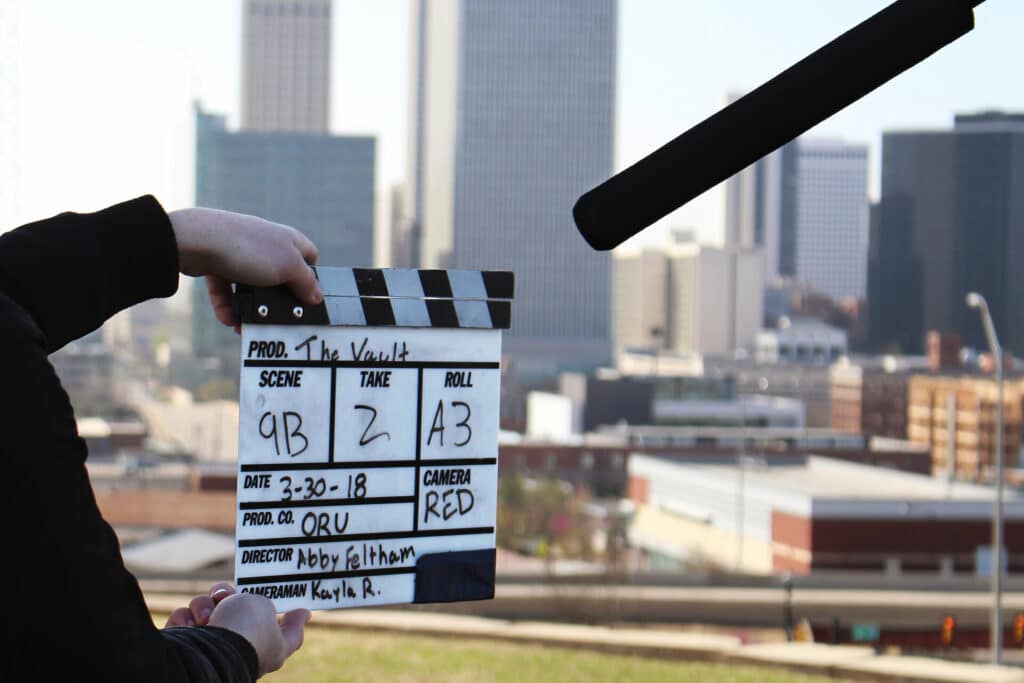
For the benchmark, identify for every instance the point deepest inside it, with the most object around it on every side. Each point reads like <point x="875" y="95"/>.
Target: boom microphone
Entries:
<point x="841" y="72"/>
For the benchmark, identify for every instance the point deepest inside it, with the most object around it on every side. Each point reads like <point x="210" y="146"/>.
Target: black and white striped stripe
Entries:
<point x="409" y="283"/>
<point x="378" y="297"/>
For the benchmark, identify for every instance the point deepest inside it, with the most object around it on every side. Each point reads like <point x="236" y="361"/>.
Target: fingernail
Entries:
<point x="189" y="621"/>
<point x="205" y="613"/>
<point x="319" y="295"/>
<point x="222" y="592"/>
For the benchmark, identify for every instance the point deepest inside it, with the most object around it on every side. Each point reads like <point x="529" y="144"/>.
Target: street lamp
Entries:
<point x="658" y="337"/>
<point x="975" y="300"/>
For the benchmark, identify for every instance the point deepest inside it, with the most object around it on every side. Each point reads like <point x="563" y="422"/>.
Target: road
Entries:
<point x="739" y="605"/>
<point x="593" y="601"/>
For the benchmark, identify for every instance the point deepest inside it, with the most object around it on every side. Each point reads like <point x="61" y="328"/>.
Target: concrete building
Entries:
<point x="717" y="299"/>
<point x="759" y="411"/>
<point x="760" y="208"/>
<point x="808" y="383"/>
<point x="689" y="298"/>
<point x="832" y="218"/>
<point x="956" y="417"/>
<point x="89" y="373"/>
<point x="640" y="300"/>
<point x="612" y="399"/>
<point x="168" y="509"/>
<point x="871" y="395"/>
<point x="107" y="438"/>
<point x="512" y="113"/>
<point x="805" y="206"/>
<point x="800" y="340"/>
<point x="949" y="221"/>
<point x="9" y="116"/>
<point x="206" y="430"/>
<point x="607" y="399"/>
<point x="598" y="460"/>
<point x="756" y="441"/>
<point x="805" y="514"/>
<point x="286" y="65"/>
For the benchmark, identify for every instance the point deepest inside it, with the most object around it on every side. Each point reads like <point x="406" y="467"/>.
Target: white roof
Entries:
<point x="93" y="428"/>
<point x="826" y="487"/>
<point x="187" y="550"/>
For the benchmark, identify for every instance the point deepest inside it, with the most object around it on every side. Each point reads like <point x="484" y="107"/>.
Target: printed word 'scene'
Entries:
<point x="281" y="378"/>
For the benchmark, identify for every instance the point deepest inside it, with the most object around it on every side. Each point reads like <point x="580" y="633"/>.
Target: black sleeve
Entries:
<point x="73" y="271"/>
<point x="74" y="611"/>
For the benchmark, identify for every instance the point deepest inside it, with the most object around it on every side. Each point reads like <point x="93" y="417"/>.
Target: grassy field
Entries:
<point x="357" y="657"/>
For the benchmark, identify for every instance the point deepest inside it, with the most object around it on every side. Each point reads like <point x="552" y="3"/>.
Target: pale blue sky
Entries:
<point x="107" y="85"/>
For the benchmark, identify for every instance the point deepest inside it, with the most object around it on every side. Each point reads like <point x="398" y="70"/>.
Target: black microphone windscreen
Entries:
<point x="841" y="72"/>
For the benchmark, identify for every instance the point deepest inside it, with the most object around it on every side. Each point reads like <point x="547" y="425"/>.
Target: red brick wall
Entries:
<point x="639" y="489"/>
<point x="793" y="531"/>
<point x="169" y="509"/>
<point x="910" y="536"/>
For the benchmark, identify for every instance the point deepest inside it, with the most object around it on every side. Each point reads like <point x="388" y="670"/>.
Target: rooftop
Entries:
<point x="827" y="487"/>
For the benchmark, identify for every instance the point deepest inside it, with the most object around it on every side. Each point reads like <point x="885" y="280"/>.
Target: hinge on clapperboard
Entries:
<point x="387" y="297"/>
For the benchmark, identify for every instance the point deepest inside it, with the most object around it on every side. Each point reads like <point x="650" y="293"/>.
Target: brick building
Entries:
<point x="804" y="514"/>
<point x="870" y="396"/>
<point x="955" y="416"/>
<point x="600" y="461"/>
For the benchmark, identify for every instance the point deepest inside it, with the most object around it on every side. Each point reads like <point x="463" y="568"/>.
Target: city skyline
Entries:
<point x="948" y="223"/>
<point x="84" y="157"/>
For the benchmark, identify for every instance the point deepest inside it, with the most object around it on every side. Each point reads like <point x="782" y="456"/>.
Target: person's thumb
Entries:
<point x="293" y="629"/>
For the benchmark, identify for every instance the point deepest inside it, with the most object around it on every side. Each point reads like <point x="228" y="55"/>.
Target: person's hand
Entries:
<point x="201" y="607"/>
<point x="230" y="247"/>
<point x="252" y="616"/>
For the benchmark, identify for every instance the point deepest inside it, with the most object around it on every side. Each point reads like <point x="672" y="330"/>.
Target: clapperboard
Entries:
<point x="368" y="438"/>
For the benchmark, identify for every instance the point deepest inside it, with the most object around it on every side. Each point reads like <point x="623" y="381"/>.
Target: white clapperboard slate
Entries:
<point x="368" y="438"/>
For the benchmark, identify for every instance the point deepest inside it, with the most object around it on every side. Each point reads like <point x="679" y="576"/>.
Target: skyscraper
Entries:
<point x="950" y="220"/>
<point x="696" y="296"/>
<point x="805" y="205"/>
<point x="9" y="115"/>
<point x="513" y="118"/>
<point x="832" y="218"/>
<point x="760" y="208"/>
<point x="286" y="57"/>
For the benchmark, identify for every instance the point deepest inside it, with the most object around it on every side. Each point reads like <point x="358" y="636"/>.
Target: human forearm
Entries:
<point x="73" y="271"/>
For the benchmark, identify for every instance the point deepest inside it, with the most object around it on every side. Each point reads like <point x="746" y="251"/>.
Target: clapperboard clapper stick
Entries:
<point x="368" y="438"/>
<point x="901" y="35"/>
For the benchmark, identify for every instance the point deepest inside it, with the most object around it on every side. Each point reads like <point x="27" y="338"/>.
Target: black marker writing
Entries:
<point x="366" y="438"/>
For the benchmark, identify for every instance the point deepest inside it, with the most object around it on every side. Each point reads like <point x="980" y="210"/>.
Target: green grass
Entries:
<point x="331" y="655"/>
